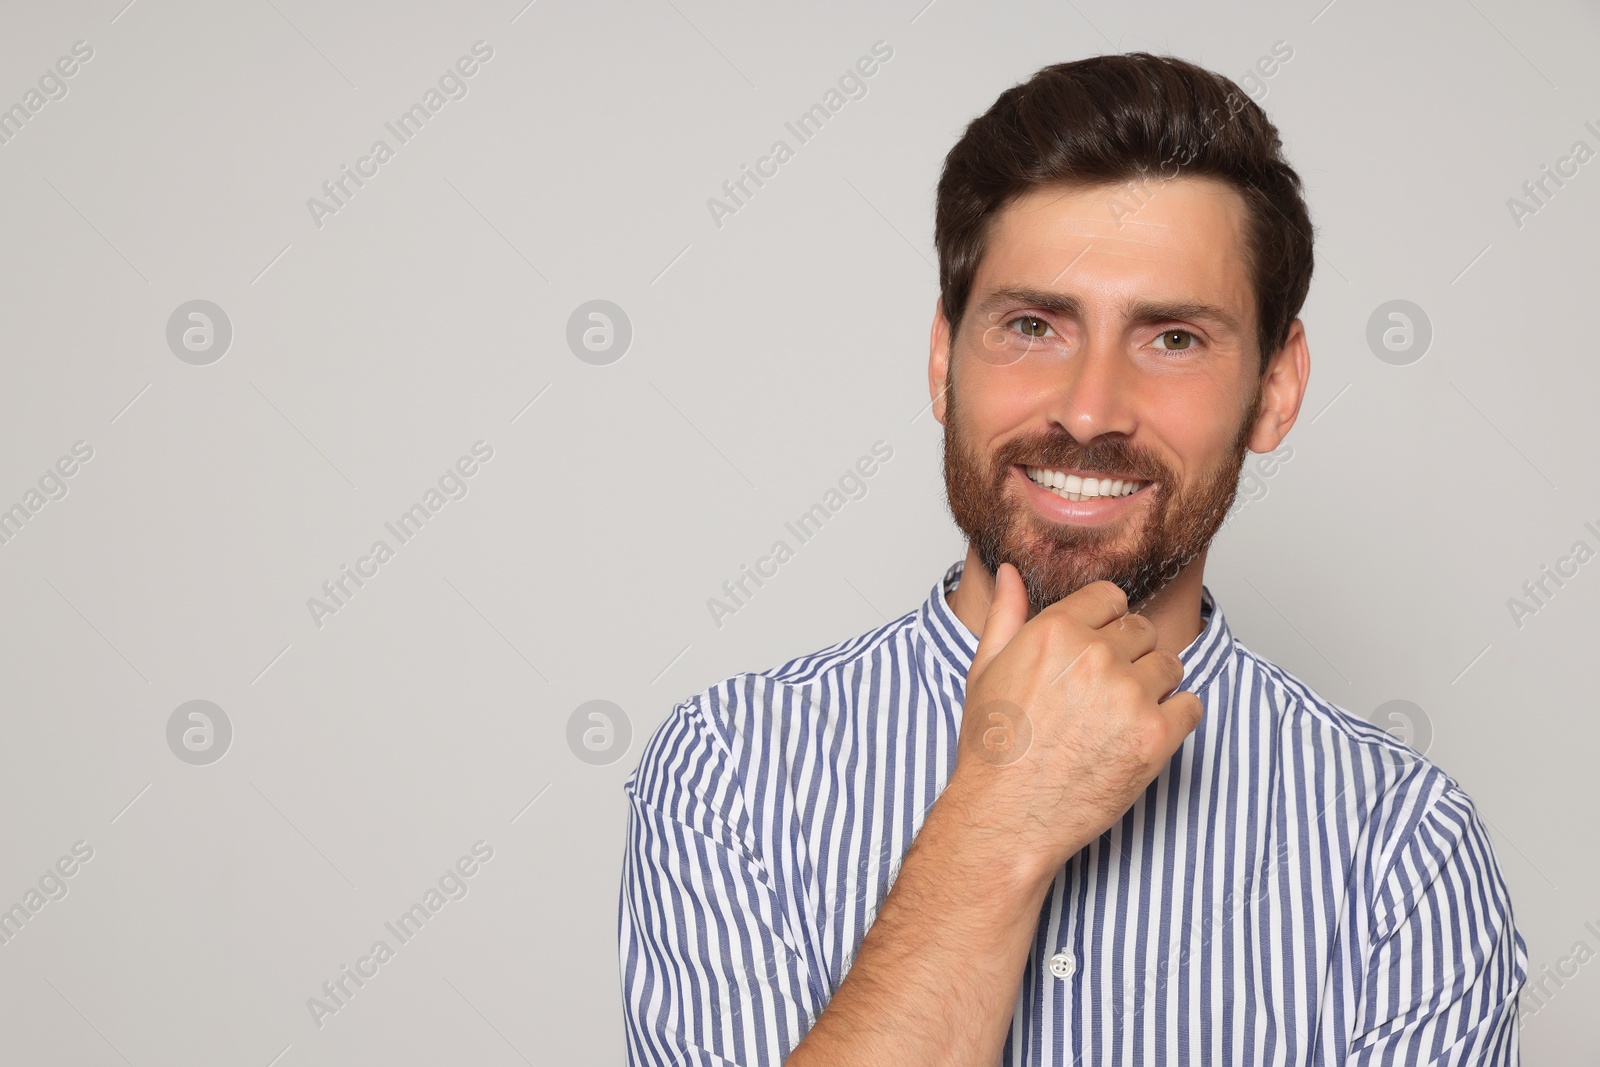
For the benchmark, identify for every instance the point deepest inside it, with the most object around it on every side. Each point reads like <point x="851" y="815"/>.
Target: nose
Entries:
<point x="1095" y="393"/>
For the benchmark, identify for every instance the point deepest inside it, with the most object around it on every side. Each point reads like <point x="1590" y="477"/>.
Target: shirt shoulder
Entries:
<point x="744" y="723"/>
<point x="1301" y="707"/>
<point x="1403" y="809"/>
<point x="839" y="657"/>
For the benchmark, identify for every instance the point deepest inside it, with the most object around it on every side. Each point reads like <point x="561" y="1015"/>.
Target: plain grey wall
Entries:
<point x="372" y="346"/>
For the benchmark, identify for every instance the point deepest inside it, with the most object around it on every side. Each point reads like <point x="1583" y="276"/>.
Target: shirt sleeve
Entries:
<point x="1444" y="974"/>
<point x="712" y="974"/>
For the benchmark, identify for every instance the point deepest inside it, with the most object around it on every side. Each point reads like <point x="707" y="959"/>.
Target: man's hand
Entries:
<point x="1067" y="720"/>
<point x="1068" y="717"/>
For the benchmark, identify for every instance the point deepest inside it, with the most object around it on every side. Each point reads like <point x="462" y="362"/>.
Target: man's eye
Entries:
<point x="1033" y="326"/>
<point x="1176" y="340"/>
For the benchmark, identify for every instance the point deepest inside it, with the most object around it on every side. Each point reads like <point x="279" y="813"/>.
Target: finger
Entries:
<point x="1008" y="610"/>
<point x="1180" y="714"/>
<point x="1132" y="635"/>
<point x="1160" y="671"/>
<point x="1183" y="711"/>
<point x="1095" y="605"/>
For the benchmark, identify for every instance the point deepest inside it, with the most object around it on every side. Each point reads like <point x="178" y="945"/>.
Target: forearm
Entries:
<point x="937" y="975"/>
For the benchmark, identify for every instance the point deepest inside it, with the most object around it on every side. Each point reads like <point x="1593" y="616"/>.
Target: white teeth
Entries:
<point x="1074" y="487"/>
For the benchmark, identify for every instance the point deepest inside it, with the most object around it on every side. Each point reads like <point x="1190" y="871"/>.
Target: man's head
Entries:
<point x="1123" y="254"/>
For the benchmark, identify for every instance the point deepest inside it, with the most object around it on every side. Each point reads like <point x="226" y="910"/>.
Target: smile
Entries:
<point x="1077" y="487"/>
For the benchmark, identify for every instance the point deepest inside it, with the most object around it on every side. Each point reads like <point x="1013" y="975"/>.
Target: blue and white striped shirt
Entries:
<point x="1296" y="887"/>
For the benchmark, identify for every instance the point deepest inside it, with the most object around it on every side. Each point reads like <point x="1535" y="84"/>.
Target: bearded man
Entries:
<point x="1059" y="814"/>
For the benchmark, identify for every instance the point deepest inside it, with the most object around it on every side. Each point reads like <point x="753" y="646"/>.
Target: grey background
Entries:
<point x="767" y="354"/>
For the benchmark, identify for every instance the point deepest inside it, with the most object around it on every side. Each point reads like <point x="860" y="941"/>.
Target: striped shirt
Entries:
<point x="1295" y="887"/>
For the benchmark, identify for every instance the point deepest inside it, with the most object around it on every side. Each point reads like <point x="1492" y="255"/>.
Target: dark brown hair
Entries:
<point x="1115" y="118"/>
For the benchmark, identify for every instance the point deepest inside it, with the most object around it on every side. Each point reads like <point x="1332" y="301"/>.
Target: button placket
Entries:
<point x="1063" y="964"/>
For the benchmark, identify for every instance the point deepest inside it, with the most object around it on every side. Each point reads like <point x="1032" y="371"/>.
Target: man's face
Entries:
<point x="1110" y="335"/>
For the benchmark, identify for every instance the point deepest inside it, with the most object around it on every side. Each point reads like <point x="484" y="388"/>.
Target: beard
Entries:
<point x="1057" y="559"/>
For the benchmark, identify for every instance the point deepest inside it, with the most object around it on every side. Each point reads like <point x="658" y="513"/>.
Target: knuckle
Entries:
<point x="1138" y="625"/>
<point x="1096" y="654"/>
<point x="1112" y="593"/>
<point x="1126" y="690"/>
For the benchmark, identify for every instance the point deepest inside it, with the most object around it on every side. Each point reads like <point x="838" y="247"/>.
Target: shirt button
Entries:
<point x="1062" y="965"/>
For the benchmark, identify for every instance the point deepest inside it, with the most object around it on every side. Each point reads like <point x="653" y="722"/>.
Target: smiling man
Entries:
<point x="1059" y="814"/>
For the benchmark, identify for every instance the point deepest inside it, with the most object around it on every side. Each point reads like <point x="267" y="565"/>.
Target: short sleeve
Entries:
<point x="1443" y="977"/>
<point x="711" y="974"/>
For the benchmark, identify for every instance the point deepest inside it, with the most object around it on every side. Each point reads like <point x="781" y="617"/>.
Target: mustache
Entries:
<point x="1062" y="450"/>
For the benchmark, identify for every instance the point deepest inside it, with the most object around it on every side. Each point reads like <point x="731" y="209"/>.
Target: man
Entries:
<point x="1059" y="814"/>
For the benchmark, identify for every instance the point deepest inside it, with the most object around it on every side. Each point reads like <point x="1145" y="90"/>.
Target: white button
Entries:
<point x="1062" y="965"/>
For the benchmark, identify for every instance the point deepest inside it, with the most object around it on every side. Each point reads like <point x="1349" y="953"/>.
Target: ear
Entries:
<point x="939" y="360"/>
<point x="1282" y="389"/>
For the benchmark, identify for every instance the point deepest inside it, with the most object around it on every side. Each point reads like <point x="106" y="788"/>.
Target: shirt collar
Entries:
<point x="956" y="645"/>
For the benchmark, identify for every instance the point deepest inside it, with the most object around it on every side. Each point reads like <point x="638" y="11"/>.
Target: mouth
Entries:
<point x="1080" y="486"/>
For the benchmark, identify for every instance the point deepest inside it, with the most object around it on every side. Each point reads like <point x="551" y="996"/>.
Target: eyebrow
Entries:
<point x="1043" y="299"/>
<point x="1141" y="311"/>
<point x="1148" y="311"/>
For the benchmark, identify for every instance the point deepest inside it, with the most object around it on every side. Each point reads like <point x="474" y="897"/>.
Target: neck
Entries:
<point x="1175" y="608"/>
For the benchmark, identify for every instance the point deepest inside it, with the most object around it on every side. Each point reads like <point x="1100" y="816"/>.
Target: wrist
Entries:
<point x="987" y="844"/>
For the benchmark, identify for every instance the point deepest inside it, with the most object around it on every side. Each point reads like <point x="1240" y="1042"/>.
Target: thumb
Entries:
<point x="1008" y="611"/>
